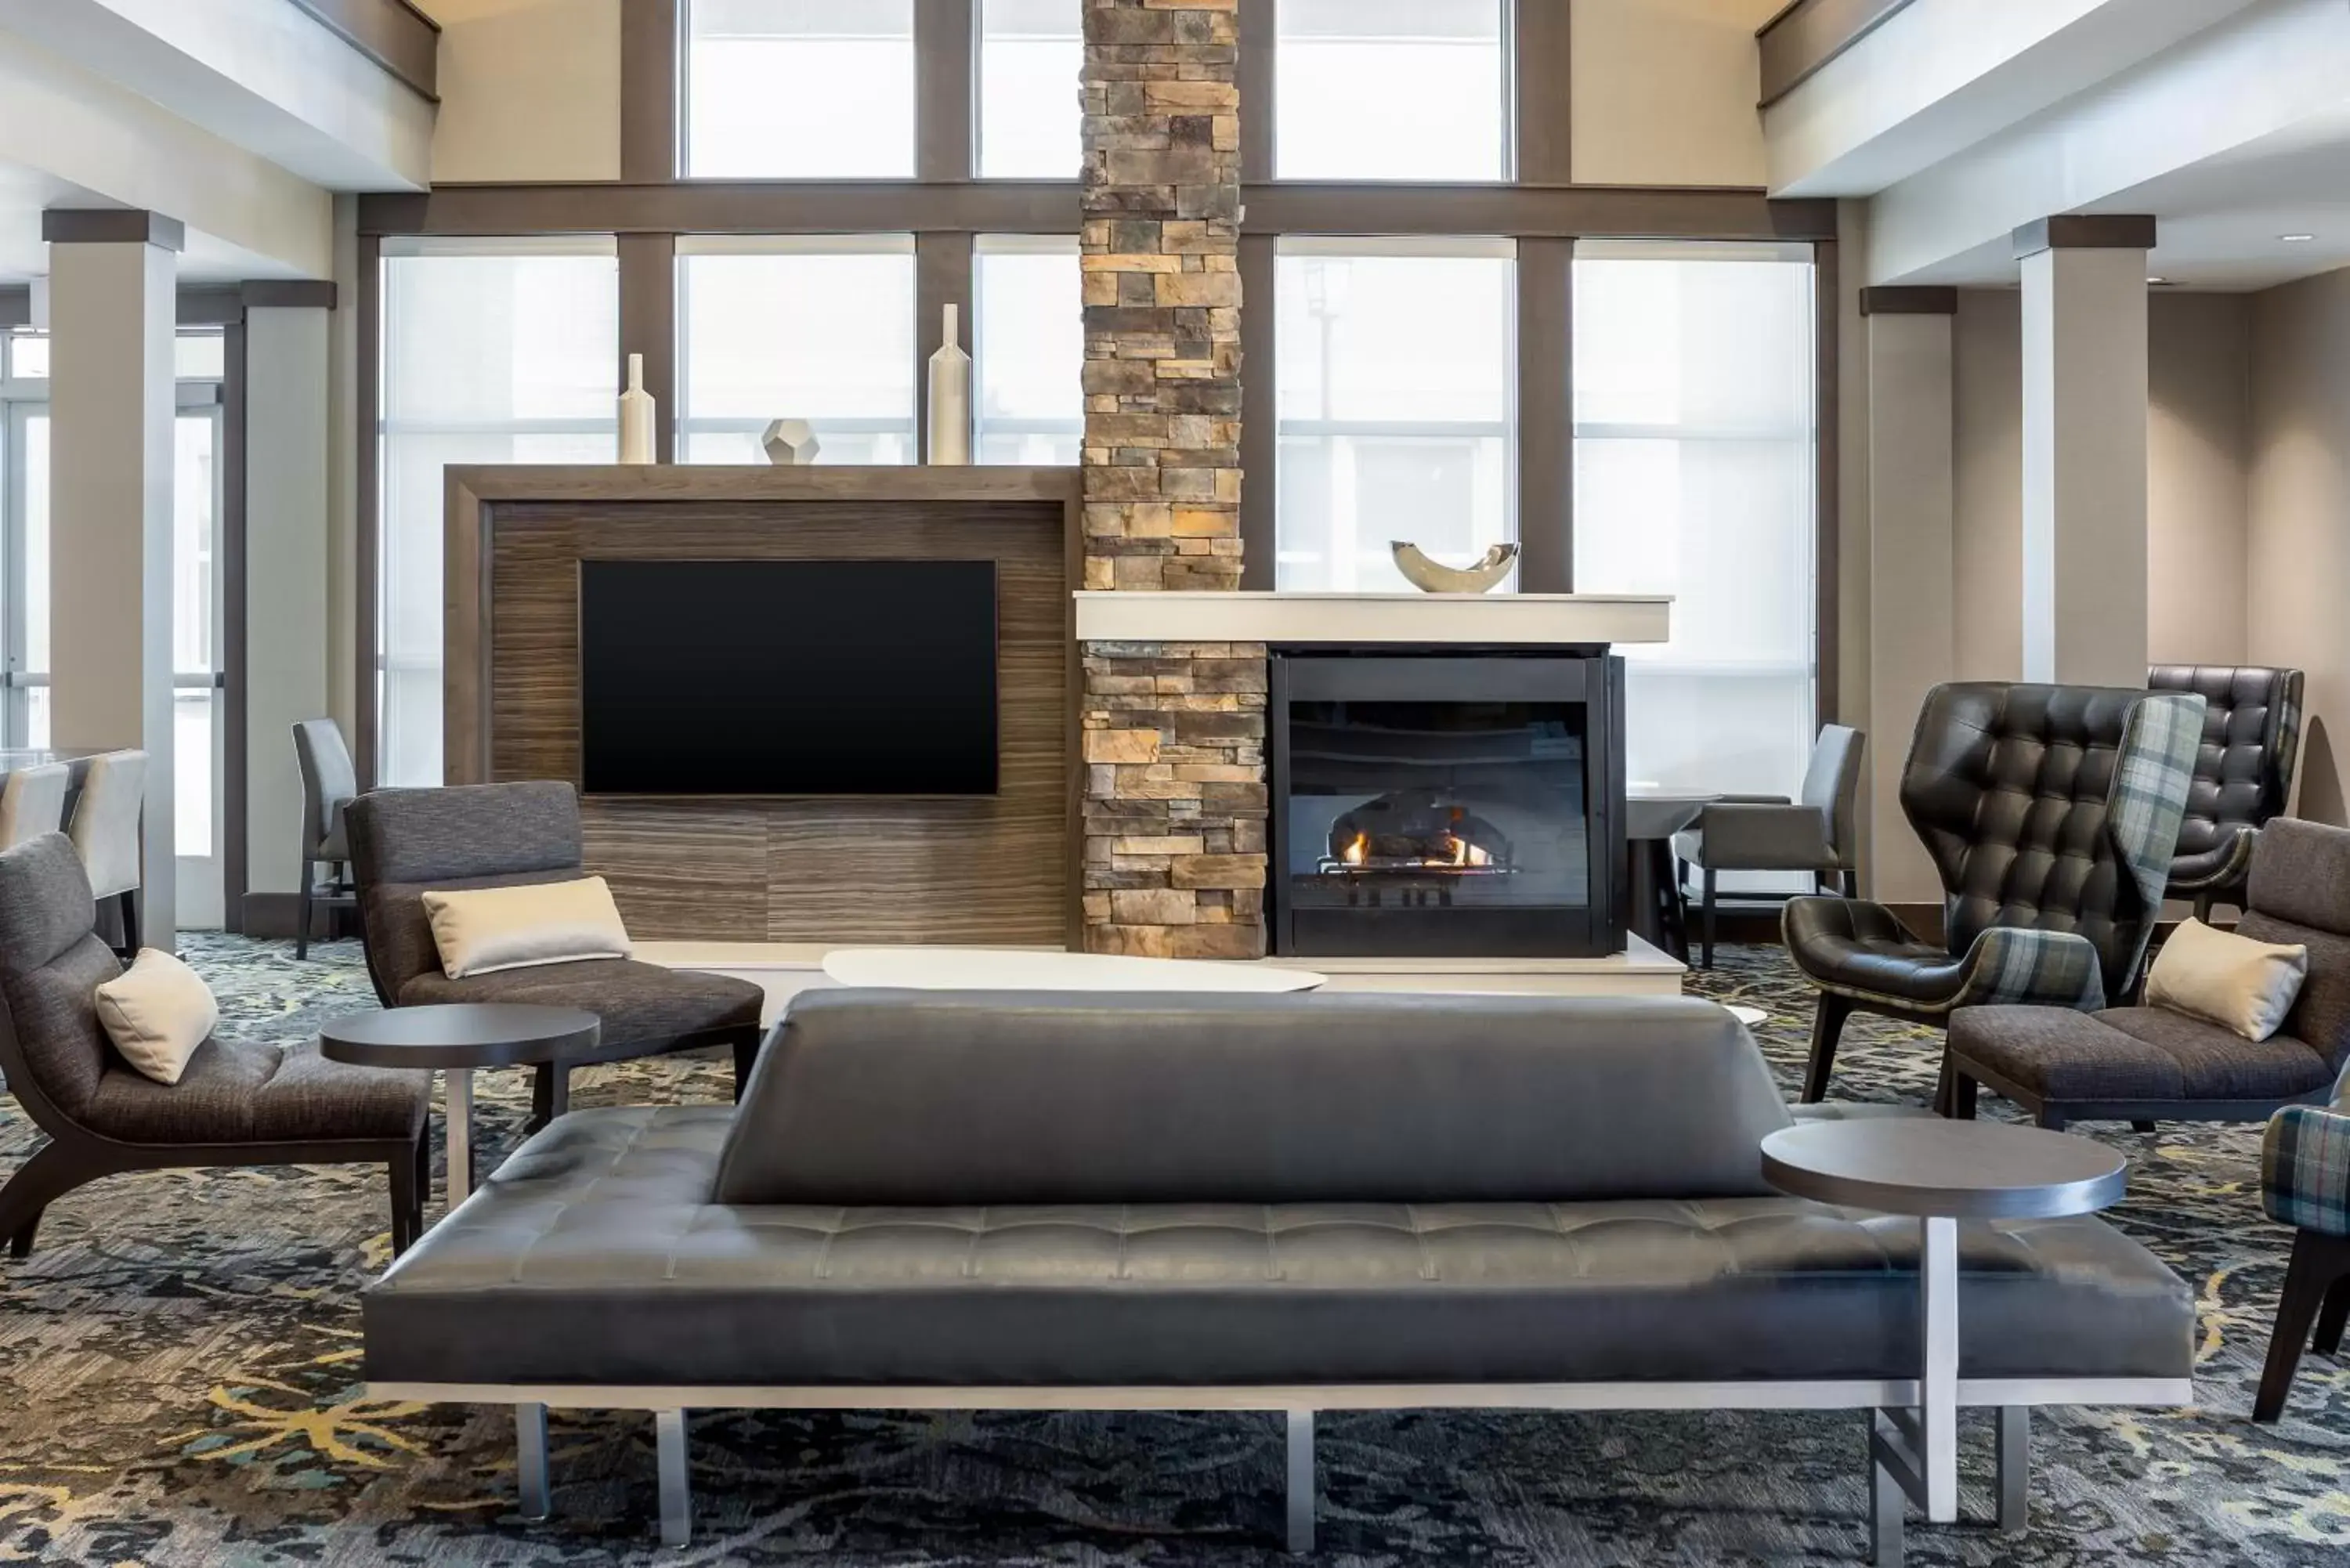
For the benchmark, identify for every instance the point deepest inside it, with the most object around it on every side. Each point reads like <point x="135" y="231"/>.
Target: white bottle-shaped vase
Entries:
<point x="636" y="415"/>
<point x="951" y="396"/>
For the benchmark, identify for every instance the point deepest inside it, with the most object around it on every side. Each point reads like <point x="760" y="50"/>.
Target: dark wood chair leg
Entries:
<point x="49" y="1175"/>
<point x="746" y="1056"/>
<point x="550" y="1093"/>
<point x="2318" y="1261"/>
<point x="404" y="1202"/>
<point x="302" y="911"/>
<point x="2203" y="908"/>
<point x="2332" y="1318"/>
<point x="1828" y="1028"/>
<point x="131" y="923"/>
<point x="1708" y="920"/>
<point x="1964" y="1090"/>
<point x="2141" y="1126"/>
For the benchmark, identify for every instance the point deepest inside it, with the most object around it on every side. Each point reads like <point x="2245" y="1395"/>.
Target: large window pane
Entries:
<point x="1694" y="476"/>
<point x="1391" y="89"/>
<point x="1030" y="55"/>
<point x="1029" y="341"/>
<point x="799" y="90"/>
<point x="820" y="329"/>
<point x="500" y="351"/>
<point x="1396" y="407"/>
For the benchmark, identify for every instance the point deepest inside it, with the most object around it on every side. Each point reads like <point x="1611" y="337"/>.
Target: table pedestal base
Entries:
<point x="459" y="1115"/>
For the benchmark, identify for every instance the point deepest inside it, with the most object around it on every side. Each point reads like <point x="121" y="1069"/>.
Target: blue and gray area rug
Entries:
<point x="179" y="1385"/>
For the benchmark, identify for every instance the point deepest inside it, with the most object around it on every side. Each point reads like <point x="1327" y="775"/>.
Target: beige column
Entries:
<point x="1913" y="636"/>
<point x="286" y="503"/>
<point x="2084" y="449"/>
<point x="112" y="276"/>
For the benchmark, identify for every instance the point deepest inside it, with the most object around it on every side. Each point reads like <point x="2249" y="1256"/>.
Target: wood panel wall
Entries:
<point x="992" y="868"/>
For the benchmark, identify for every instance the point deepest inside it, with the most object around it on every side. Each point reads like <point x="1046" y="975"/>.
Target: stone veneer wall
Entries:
<point x="1174" y="732"/>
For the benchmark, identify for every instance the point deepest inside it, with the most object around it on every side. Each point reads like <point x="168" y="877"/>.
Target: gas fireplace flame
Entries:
<point x="1467" y="854"/>
<point x="1353" y="854"/>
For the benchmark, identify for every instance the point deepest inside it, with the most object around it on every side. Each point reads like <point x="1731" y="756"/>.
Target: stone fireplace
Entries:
<point x="1174" y="802"/>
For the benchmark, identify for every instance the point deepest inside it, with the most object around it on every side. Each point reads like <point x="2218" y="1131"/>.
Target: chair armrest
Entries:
<point x="2306" y="1169"/>
<point x="2037" y="968"/>
<point x="1752" y="800"/>
<point x="1753" y="836"/>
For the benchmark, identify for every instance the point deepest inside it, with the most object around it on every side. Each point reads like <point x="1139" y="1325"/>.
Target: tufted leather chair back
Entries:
<point x="2017" y="792"/>
<point x="2243" y="770"/>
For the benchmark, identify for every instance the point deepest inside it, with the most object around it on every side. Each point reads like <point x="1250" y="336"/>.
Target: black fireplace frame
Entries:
<point x="1588" y="675"/>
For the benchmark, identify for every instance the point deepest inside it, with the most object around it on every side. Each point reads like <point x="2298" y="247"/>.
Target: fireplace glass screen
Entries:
<point x="1400" y="814"/>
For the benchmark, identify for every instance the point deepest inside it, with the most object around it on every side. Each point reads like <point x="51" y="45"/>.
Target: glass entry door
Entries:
<point x="197" y="674"/>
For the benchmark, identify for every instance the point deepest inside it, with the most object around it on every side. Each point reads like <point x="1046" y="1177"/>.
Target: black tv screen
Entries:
<point x="787" y="677"/>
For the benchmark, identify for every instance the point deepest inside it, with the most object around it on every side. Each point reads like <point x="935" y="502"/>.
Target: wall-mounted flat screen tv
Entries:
<point x="751" y="677"/>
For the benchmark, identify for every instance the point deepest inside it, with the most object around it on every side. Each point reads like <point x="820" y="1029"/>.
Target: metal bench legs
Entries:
<point x="1300" y="1481"/>
<point x="1889" y="1488"/>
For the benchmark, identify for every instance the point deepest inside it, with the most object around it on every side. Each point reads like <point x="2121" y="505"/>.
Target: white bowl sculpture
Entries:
<point x="1430" y="578"/>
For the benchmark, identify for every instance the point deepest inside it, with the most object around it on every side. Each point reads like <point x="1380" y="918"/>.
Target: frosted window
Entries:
<point x="1030" y="53"/>
<point x="1030" y="346"/>
<point x="818" y="329"/>
<point x="1391" y="89"/>
<point x="1695" y="473"/>
<point x="799" y="90"/>
<point x="1396" y="403"/>
<point x="489" y="357"/>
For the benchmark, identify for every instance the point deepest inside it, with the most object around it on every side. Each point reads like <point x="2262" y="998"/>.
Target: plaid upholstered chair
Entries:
<point x="405" y="843"/>
<point x="2244" y="773"/>
<point x="2051" y="812"/>
<point x="2305" y="1183"/>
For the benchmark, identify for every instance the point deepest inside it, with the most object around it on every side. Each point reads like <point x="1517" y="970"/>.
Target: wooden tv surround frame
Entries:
<point x="1000" y="869"/>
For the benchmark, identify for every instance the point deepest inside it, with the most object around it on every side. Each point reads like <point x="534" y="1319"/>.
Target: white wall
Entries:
<point x="287" y="505"/>
<point x="2197" y="451"/>
<point x="530" y="89"/>
<point x="1665" y="92"/>
<point x="2299" y="558"/>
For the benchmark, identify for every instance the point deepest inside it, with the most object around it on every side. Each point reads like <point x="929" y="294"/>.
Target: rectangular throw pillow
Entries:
<point x="481" y="930"/>
<point x="2233" y="982"/>
<point x="157" y="1013"/>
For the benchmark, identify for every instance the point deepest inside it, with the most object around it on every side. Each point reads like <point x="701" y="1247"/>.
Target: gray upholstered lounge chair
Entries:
<point x="1820" y="833"/>
<point x="405" y="843"/>
<point x="2244" y="773"/>
<point x="2051" y="812"/>
<point x="2147" y="1065"/>
<point x="239" y="1103"/>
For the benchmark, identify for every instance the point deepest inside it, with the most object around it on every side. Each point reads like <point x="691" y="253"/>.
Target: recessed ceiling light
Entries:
<point x="2296" y="239"/>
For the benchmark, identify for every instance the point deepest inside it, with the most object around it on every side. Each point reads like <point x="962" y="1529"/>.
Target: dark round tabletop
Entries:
<point x="459" y="1034"/>
<point x="1949" y="1170"/>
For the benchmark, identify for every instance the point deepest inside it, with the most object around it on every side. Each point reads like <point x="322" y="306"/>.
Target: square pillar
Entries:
<point x="112" y="315"/>
<point x="2084" y="447"/>
<point x="1912" y="614"/>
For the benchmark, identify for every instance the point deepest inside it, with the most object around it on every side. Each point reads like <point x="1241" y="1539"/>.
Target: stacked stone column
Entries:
<point x="1174" y="732"/>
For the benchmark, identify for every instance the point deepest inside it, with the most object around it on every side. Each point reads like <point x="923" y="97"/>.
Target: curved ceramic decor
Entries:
<point x="1430" y="578"/>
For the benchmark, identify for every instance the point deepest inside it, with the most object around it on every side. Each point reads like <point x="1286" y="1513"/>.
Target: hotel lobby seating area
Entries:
<point x="1517" y="782"/>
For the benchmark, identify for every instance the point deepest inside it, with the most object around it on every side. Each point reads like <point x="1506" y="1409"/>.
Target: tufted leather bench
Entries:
<point x="1291" y="1203"/>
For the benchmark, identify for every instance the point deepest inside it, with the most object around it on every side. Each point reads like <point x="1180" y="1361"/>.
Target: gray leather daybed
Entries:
<point x="1292" y="1203"/>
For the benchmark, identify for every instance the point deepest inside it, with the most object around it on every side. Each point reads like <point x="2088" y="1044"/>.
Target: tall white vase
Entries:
<point x="951" y="396"/>
<point x="636" y="415"/>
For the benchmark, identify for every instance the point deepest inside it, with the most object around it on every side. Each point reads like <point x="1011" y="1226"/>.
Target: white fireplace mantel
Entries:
<point x="1357" y="618"/>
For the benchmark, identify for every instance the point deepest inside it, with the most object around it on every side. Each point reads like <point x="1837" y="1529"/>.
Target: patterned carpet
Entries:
<point x="179" y="1365"/>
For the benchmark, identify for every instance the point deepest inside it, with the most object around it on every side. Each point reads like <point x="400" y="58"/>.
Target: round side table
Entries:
<point x="1942" y="1172"/>
<point x="455" y="1038"/>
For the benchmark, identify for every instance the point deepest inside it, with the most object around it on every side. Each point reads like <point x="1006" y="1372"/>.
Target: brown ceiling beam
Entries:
<point x="2085" y="232"/>
<point x="1909" y="300"/>
<point x="1007" y="206"/>
<point x="395" y="34"/>
<point x="1806" y="34"/>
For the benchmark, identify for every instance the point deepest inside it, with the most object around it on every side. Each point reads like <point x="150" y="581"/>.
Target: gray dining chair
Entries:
<point x="105" y="833"/>
<point x="1819" y="833"/>
<point x="33" y="802"/>
<point x="328" y="783"/>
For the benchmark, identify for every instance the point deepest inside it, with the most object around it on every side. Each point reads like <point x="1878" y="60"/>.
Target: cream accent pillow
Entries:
<point x="157" y="1013"/>
<point x="481" y="930"/>
<point x="2224" y="979"/>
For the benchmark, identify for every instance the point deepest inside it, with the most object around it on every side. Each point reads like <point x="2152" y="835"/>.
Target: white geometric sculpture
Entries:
<point x="789" y="442"/>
